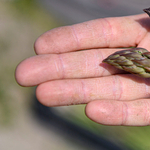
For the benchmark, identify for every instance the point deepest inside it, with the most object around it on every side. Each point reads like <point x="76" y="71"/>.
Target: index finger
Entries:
<point x="100" y="33"/>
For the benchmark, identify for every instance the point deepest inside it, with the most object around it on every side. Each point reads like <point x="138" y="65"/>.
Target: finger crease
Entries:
<point x="83" y="90"/>
<point x="75" y="35"/>
<point x="108" y="34"/>
<point x="86" y="64"/>
<point x="103" y="69"/>
<point x="56" y="66"/>
<point x="124" y="113"/>
<point x="117" y="88"/>
<point x="62" y="65"/>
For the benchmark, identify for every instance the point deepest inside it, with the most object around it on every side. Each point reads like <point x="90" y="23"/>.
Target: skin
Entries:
<point x="68" y="70"/>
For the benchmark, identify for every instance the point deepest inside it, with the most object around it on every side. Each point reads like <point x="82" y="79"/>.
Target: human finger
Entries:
<point x="100" y="33"/>
<point x="127" y="113"/>
<point x="79" y="91"/>
<point x="81" y="64"/>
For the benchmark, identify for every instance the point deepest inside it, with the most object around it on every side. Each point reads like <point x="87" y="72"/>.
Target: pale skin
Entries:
<point x="68" y="70"/>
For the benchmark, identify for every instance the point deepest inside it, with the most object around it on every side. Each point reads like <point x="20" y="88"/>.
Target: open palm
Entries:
<point x="68" y="70"/>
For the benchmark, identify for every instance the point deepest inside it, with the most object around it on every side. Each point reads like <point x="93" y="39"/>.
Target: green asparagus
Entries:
<point x="134" y="60"/>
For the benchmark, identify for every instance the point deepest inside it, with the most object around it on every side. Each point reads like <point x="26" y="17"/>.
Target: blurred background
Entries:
<point x="26" y="124"/>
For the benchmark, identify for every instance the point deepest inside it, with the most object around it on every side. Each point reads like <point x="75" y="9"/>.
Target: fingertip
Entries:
<point x="96" y="110"/>
<point x="25" y="72"/>
<point x="41" y="94"/>
<point x="57" y="40"/>
<point x="20" y="74"/>
<point x="89" y="110"/>
<point x="103" y="112"/>
<point x="40" y="45"/>
<point x="46" y="94"/>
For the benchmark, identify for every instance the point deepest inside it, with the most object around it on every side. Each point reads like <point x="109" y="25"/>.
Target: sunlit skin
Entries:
<point x="68" y="70"/>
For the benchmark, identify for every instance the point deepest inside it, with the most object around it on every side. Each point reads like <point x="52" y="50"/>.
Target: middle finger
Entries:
<point x="77" y="91"/>
<point x="81" y="64"/>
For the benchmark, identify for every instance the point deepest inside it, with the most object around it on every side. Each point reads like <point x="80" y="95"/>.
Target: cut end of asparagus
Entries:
<point x="147" y="10"/>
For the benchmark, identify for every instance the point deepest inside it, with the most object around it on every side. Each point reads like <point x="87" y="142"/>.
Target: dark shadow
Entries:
<point x="111" y="69"/>
<point x="145" y="23"/>
<point x="78" y="134"/>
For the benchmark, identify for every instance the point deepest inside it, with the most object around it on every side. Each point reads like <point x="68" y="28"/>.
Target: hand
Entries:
<point x="68" y="70"/>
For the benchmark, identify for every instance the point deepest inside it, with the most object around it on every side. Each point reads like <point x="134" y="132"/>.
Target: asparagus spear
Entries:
<point x="134" y="60"/>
